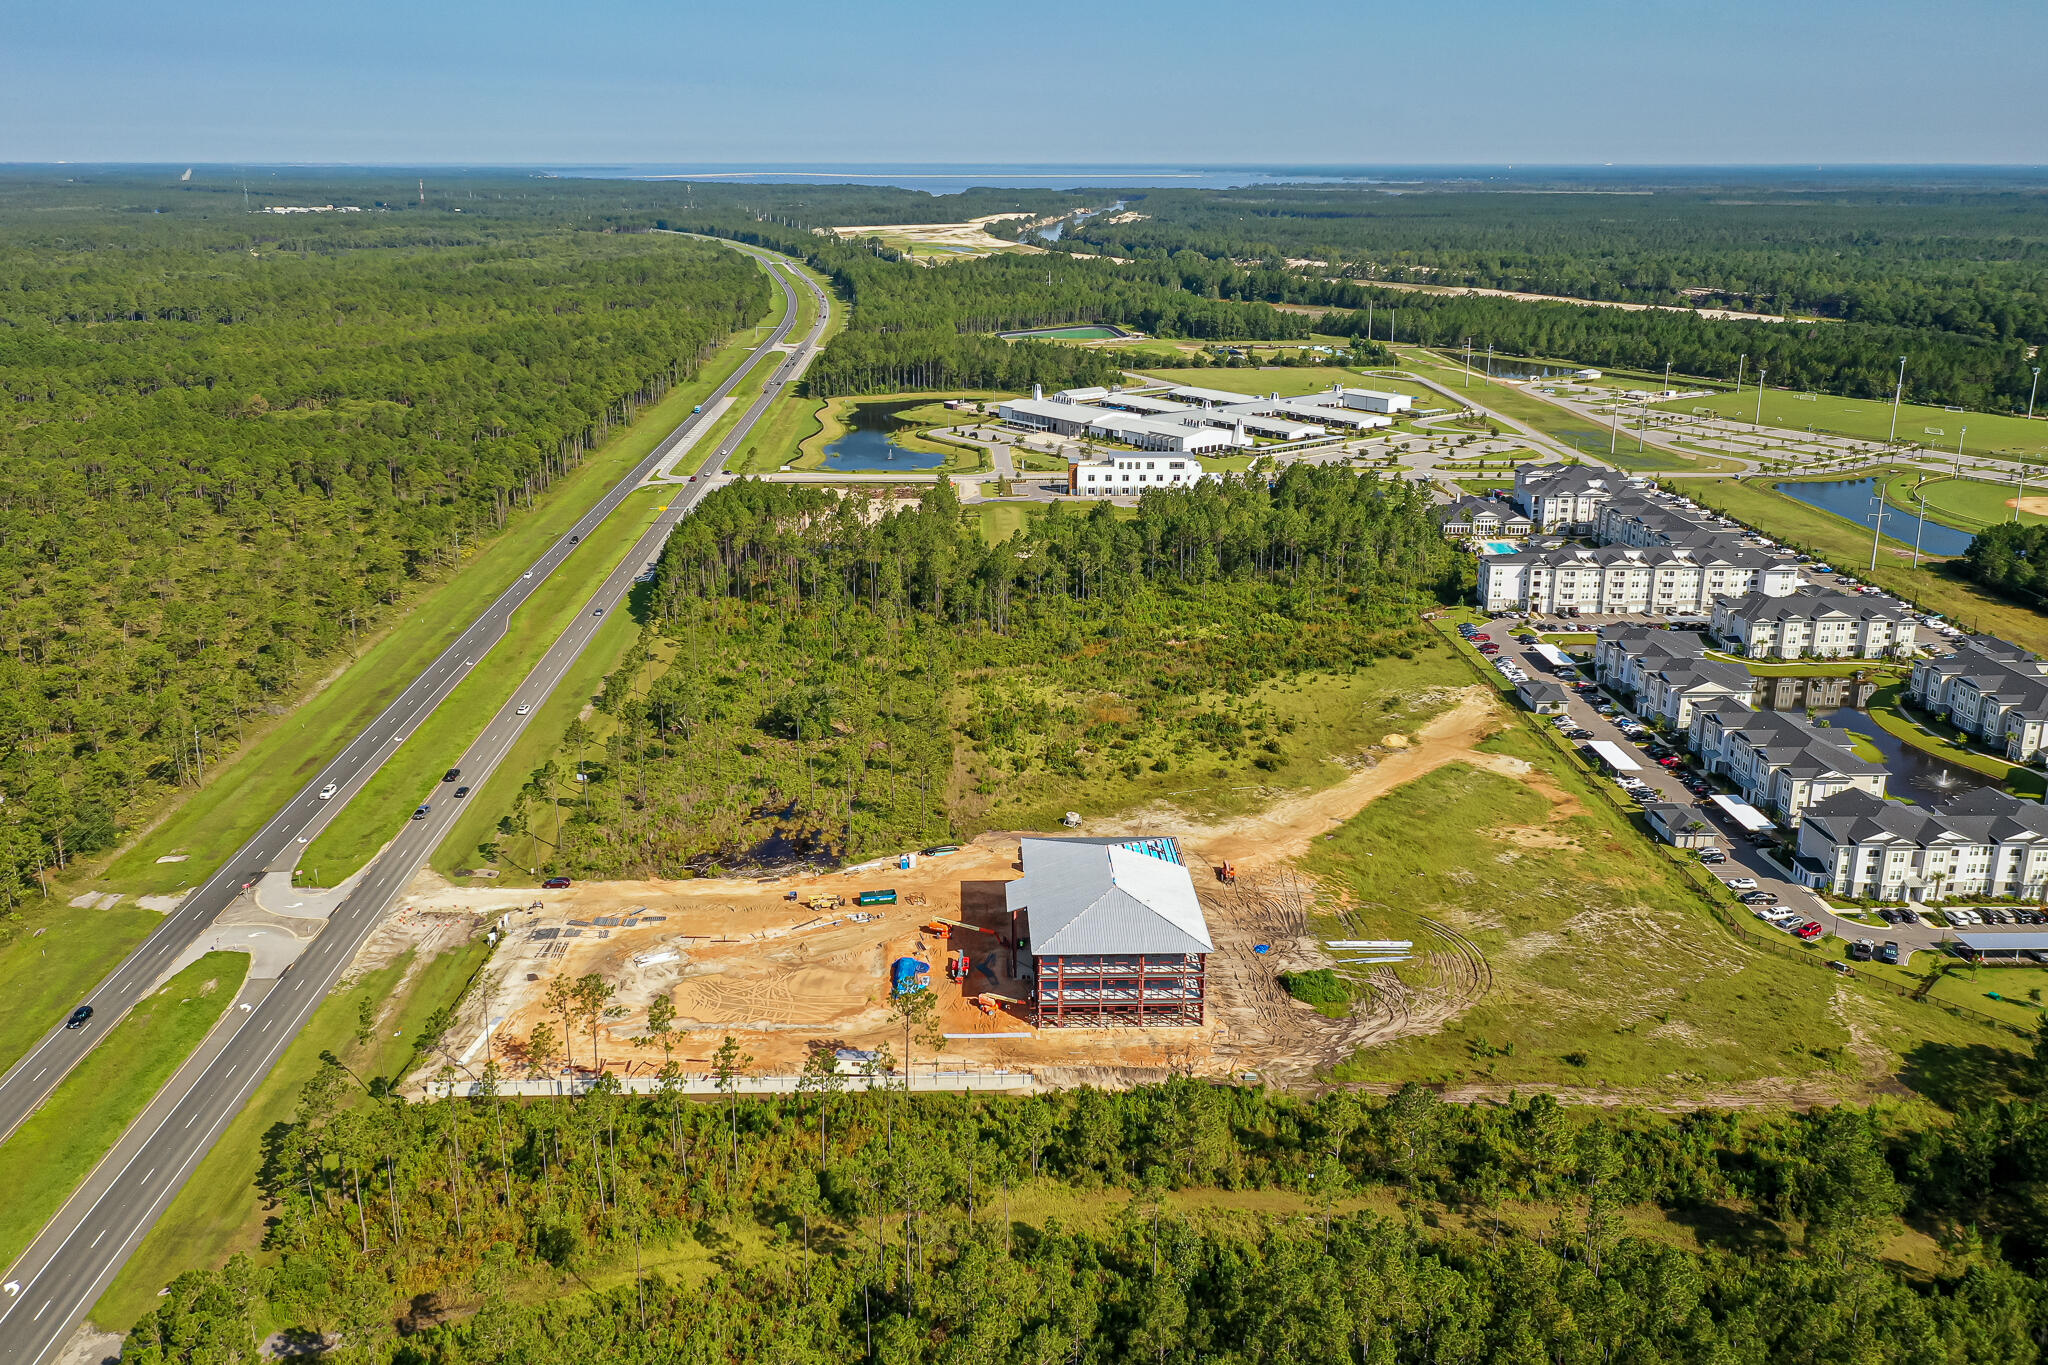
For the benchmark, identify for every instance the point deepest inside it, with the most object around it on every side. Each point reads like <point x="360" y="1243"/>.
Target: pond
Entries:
<point x="1504" y="368"/>
<point x="1915" y="773"/>
<point x="1855" y="500"/>
<point x="871" y="445"/>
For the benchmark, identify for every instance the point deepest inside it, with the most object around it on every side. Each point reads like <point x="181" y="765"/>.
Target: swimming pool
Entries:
<point x="1496" y="547"/>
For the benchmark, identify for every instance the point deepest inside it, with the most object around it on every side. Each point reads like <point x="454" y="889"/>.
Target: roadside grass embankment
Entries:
<point x="58" y="1145"/>
<point x="46" y="970"/>
<point x="412" y="774"/>
<point x="220" y="1210"/>
<point x="1845" y="544"/>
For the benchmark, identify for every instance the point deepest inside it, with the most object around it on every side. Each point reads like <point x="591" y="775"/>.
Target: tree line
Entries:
<point x="870" y="1225"/>
<point x="814" y="667"/>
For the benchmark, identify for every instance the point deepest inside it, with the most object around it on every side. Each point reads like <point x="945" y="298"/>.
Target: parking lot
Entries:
<point x="1744" y="860"/>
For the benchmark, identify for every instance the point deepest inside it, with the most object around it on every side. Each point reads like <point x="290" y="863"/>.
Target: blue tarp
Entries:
<point x="904" y="974"/>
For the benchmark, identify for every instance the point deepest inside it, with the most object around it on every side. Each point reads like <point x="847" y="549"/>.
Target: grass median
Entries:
<point x="58" y="1145"/>
<point x="220" y="1209"/>
<point x="412" y="775"/>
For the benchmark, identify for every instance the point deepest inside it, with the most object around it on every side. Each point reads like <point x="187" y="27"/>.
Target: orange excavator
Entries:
<point x="1227" y="874"/>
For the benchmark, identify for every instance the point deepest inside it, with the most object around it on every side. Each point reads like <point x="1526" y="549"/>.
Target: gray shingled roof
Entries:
<point x="1089" y="896"/>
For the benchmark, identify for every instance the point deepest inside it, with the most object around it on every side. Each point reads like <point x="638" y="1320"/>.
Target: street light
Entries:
<point x="1878" y="530"/>
<point x="1468" y="362"/>
<point x="1897" y="393"/>
<point x="1922" y="524"/>
<point x="2034" y="392"/>
<point x="1959" y="449"/>
<point x="1760" y="373"/>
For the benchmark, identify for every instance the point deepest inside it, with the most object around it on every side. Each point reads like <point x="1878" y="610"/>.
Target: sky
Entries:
<point x="525" y="82"/>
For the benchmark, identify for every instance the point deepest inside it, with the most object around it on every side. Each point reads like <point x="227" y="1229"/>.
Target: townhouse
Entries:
<point x="1813" y="622"/>
<point x="1991" y="689"/>
<point x="1982" y="843"/>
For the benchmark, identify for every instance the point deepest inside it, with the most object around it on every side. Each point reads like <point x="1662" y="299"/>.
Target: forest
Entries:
<point x="827" y="668"/>
<point x="1972" y="262"/>
<point x="237" y="444"/>
<point x="837" y="1225"/>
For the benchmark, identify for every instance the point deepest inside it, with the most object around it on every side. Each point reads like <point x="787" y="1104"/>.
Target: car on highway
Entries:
<point x="598" y="612"/>
<point x="574" y="539"/>
<point x="1810" y="930"/>
<point x="461" y="792"/>
<point x="451" y="774"/>
<point x="1742" y="883"/>
<point x="78" y="1017"/>
<point x="555" y="883"/>
<point x="523" y="709"/>
<point x="421" y="813"/>
<point x="327" y="792"/>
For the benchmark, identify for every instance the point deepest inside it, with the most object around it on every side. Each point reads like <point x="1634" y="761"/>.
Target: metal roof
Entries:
<point x="1088" y="896"/>
<point x="1614" y="757"/>
<point x="1744" y="814"/>
<point x="2002" y="942"/>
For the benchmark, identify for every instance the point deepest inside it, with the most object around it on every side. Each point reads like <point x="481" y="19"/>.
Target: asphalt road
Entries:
<point x="79" y="1253"/>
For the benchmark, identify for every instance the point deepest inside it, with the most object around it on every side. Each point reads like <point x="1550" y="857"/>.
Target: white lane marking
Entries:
<point x="194" y="1119"/>
<point x="40" y="1311"/>
<point x="152" y="1171"/>
<point x="231" y="1071"/>
<point x="96" y="1240"/>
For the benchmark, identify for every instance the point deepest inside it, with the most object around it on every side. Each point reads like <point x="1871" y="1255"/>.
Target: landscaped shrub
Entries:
<point x="1322" y="988"/>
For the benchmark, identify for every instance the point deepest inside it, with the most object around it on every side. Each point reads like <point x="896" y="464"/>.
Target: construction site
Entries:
<point x="794" y="964"/>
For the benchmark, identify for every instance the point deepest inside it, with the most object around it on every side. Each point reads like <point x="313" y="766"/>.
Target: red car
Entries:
<point x="1810" y="930"/>
<point x="1489" y="649"/>
<point x="1482" y="637"/>
<point x="555" y="883"/>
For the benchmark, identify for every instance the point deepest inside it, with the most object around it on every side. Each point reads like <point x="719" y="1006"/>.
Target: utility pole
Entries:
<point x="1468" y="363"/>
<point x="1489" y="360"/>
<point x="1959" y="449"/>
<point x="2034" y="392"/>
<point x="1897" y="393"/>
<point x="1760" y="373"/>
<point x="1921" y="525"/>
<point x="1614" y="432"/>
<point x="1740" y="369"/>
<point x="1879" y="529"/>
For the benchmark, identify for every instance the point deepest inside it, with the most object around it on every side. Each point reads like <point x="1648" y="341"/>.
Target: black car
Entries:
<point x="461" y="792"/>
<point x="451" y="774"/>
<point x="78" y="1017"/>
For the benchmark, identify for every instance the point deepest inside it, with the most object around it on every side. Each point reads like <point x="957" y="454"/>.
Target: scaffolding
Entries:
<point x="1120" y="990"/>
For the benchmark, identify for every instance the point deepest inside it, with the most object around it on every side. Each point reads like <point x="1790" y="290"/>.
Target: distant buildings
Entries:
<point x="1132" y="474"/>
<point x="1482" y="519"/>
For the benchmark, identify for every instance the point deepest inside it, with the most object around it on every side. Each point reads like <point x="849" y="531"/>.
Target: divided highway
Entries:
<point x="63" y="1274"/>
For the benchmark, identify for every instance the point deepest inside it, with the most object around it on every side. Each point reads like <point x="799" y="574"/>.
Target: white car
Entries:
<point x="1742" y="883"/>
<point x="524" y="708"/>
<point x="327" y="792"/>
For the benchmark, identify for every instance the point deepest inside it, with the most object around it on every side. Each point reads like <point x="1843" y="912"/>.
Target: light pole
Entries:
<point x="1489" y="362"/>
<point x="2034" y="392"/>
<point x="1760" y="373"/>
<point x="1922" y="524"/>
<point x="1468" y="362"/>
<point x="2022" y="494"/>
<point x="1878" y="530"/>
<point x="1667" y="376"/>
<point x="1897" y="393"/>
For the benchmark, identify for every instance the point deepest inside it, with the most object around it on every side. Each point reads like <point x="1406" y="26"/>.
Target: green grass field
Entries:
<point x="1001" y="520"/>
<point x="43" y="974"/>
<point x="58" y="1145"/>
<point x="1847" y="546"/>
<point x="220" y="1210"/>
<point x="1870" y="419"/>
<point x="1971" y="504"/>
<point x="1606" y="969"/>
<point x="412" y="774"/>
<point x="1292" y="381"/>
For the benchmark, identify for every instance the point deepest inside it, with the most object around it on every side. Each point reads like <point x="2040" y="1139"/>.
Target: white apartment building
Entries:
<point x="1982" y="843"/>
<point x="1782" y="762"/>
<point x="1668" y="581"/>
<point x="1565" y="498"/>
<point x="1813" y="623"/>
<point x="1989" y="688"/>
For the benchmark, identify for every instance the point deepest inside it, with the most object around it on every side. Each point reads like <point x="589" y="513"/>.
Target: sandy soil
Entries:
<point x="971" y="236"/>
<point x="755" y="958"/>
<point x="2034" y="504"/>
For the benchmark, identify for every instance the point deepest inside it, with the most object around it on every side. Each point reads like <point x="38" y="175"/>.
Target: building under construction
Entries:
<point x="1115" y="932"/>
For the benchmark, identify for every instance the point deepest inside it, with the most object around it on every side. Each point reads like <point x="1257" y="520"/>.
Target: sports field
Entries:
<point x="1971" y="504"/>
<point x="1065" y="334"/>
<point x="1870" y="419"/>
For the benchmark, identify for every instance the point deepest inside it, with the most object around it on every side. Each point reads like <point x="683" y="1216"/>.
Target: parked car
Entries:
<point x="1862" y="950"/>
<point x="1889" y="953"/>
<point x="555" y="883"/>
<point x="1742" y="883"/>
<point x="1757" y="898"/>
<point x="1811" y="930"/>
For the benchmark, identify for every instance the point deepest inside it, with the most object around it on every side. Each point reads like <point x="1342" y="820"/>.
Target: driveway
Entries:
<point x="1744" y="858"/>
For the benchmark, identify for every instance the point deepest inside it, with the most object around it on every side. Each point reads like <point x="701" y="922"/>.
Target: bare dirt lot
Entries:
<point x="783" y="971"/>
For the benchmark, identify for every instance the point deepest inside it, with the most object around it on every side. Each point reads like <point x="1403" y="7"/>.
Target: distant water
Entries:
<point x="951" y="179"/>
<point x="1856" y="500"/>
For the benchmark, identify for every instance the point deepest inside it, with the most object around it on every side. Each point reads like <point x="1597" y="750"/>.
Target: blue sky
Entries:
<point x="612" y="81"/>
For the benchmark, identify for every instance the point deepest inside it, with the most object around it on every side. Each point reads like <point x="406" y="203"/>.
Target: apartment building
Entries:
<point x="1809" y="623"/>
<point x="1482" y="519"/>
<point x="1982" y="843"/>
<point x="1565" y="498"/>
<point x="1991" y="689"/>
<point x="1623" y="580"/>
<point x="1783" y="762"/>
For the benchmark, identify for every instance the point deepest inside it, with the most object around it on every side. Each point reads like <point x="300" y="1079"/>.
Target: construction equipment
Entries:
<point x="961" y="924"/>
<point x="956" y="965"/>
<point x="1227" y="874"/>
<point x="826" y="901"/>
<point x="938" y="929"/>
